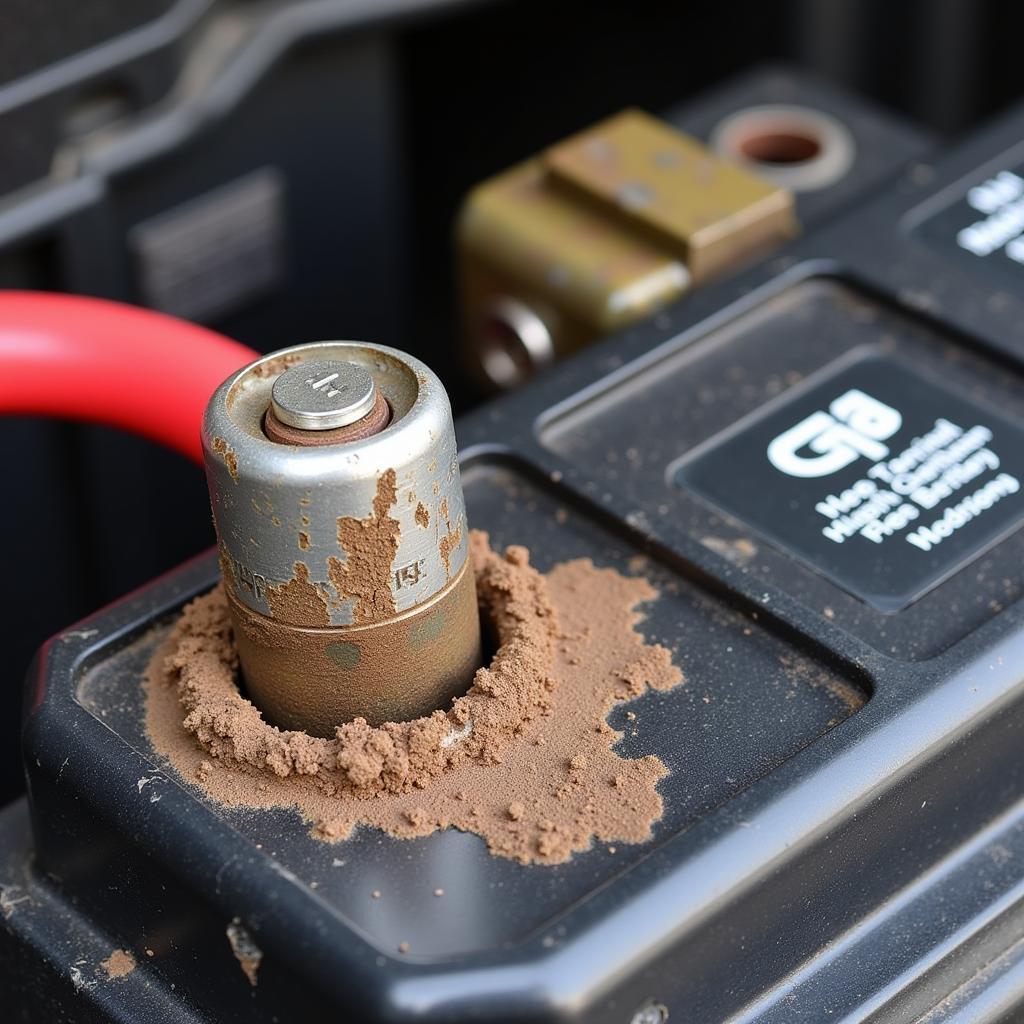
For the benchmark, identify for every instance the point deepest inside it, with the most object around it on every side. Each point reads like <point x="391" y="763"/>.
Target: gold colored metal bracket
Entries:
<point x="607" y="227"/>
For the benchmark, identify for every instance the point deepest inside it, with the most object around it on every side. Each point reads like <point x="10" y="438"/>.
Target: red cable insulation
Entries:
<point x="72" y="357"/>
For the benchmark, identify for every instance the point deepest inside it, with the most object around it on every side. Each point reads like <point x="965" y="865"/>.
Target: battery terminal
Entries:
<point x="599" y="231"/>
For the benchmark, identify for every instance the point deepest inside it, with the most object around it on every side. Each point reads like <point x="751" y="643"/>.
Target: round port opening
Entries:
<point x="795" y="147"/>
<point x="512" y="343"/>
<point x="781" y="148"/>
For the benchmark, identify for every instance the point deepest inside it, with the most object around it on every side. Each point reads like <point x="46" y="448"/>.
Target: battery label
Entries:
<point x="985" y="228"/>
<point x="882" y="480"/>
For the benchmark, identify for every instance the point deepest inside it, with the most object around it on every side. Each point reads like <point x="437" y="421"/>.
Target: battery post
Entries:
<point x="328" y="402"/>
<point x="343" y="539"/>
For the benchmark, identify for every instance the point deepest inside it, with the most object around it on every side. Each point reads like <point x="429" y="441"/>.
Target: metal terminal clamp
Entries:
<point x="334" y="482"/>
<point x="598" y="232"/>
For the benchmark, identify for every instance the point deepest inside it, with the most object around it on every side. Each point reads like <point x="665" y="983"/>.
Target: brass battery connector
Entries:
<point x="598" y="232"/>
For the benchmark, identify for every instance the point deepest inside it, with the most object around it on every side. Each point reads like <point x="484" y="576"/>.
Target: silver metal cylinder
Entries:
<point x="345" y="561"/>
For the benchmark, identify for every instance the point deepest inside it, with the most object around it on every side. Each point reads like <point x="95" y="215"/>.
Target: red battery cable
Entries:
<point x="79" y="358"/>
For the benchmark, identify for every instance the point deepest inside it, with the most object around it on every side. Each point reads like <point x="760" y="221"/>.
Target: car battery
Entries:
<point x="816" y="463"/>
<point x="252" y="228"/>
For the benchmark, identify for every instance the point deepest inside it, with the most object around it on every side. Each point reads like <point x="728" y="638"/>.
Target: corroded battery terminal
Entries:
<point x="336" y="496"/>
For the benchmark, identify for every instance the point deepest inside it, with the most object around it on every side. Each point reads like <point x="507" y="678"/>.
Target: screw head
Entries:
<point x="323" y="394"/>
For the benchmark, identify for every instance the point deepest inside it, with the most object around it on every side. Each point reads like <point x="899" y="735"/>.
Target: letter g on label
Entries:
<point x="855" y="426"/>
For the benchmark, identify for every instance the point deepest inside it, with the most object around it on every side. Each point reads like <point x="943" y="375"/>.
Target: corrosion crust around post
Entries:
<point x="525" y="759"/>
<point x="312" y="678"/>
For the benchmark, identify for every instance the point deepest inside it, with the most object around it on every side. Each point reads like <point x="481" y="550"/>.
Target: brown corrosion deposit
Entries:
<point x="221" y="447"/>
<point x="119" y="964"/>
<point x="298" y="600"/>
<point x="371" y="544"/>
<point x="524" y="759"/>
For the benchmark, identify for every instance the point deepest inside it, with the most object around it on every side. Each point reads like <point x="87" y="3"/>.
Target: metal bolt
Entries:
<point x="512" y="343"/>
<point x="323" y="395"/>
